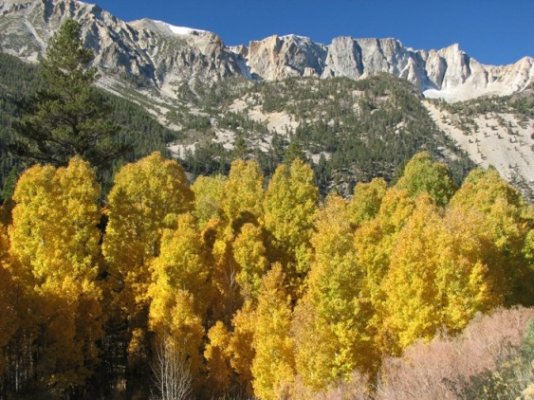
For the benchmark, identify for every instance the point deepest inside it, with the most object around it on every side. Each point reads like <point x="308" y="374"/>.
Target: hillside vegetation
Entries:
<point x="351" y="130"/>
<point x="247" y="287"/>
<point x="19" y="81"/>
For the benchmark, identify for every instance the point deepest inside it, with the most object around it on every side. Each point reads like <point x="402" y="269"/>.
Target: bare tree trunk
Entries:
<point x="172" y="375"/>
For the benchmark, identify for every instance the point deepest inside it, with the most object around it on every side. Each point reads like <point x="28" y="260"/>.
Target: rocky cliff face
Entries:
<point x="157" y="55"/>
<point x="151" y="53"/>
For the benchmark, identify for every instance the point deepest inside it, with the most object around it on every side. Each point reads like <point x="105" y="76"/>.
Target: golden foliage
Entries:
<point x="55" y="238"/>
<point x="330" y="323"/>
<point x="273" y="367"/>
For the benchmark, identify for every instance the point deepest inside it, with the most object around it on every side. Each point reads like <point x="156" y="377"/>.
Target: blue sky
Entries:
<point x="492" y="31"/>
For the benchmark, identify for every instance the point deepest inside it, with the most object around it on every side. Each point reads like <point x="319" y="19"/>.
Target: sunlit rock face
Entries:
<point x="160" y="56"/>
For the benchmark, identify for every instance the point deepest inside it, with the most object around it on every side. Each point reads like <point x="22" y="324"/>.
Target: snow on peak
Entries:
<point x="167" y="28"/>
<point x="182" y="30"/>
<point x="293" y="36"/>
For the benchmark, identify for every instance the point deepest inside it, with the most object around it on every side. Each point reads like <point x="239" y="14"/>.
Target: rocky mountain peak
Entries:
<point x="162" y="56"/>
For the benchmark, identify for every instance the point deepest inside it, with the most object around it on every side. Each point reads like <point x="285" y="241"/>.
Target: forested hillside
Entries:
<point x="19" y="81"/>
<point x="351" y="130"/>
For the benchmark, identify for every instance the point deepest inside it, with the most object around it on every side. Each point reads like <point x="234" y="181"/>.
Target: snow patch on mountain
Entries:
<point x="165" y="28"/>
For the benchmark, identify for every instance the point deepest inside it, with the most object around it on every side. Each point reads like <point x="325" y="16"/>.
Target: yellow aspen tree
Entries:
<point x="241" y="348"/>
<point x="374" y="241"/>
<point x="184" y="329"/>
<point x="504" y="224"/>
<point x="250" y="254"/>
<point x="412" y="305"/>
<point x="241" y="203"/>
<point x="273" y="367"/>
<point x="179" y="284"/>
<point x="9" y="315"/>
<point x="375" y="238"/>
<point x="225" y="289"/>
<point x="528" y="249"/>
<point x="218" y="360"/>
<point x="208" y="191"/>
<point x="243" y="193"/>
<point x="330" y="325"/>
<point x="437" y="279"/>
<point x="365" y="202"/>
<point x="55" y="239"/>
<point x="423" y="175"/>
<point x="145" y="195"/>
<point x="290" y="204"/>
<point x="179" y="266"/>
<point x="464" y="280"/>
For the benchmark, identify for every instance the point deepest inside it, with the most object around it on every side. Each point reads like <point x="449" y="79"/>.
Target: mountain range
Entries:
<point x="163" y="57"/>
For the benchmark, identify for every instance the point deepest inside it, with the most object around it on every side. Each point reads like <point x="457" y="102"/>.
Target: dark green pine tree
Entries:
<point x="69" y="116"/>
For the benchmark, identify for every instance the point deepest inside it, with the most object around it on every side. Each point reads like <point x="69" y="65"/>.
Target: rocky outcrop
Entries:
<point x="278" y="57"/>
<point x="161" y="56"/>
<point x="149" y="53"/>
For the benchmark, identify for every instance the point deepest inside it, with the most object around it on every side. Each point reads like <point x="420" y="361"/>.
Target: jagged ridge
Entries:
<point x="160" y="56"/>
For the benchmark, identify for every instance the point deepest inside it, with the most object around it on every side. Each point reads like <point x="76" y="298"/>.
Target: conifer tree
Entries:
<point x="68" y="117"/>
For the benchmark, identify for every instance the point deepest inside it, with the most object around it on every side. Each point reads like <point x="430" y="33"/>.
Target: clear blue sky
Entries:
<point x="492" y="31"/>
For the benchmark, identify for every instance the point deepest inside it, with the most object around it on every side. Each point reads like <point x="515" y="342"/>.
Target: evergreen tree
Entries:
<point x="68" y="117"/>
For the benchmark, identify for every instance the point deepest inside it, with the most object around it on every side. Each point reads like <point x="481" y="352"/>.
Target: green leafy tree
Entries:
<point x="423" y="175"/>
<point x="366" y="201"/>
<point x="69" y="116"/>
